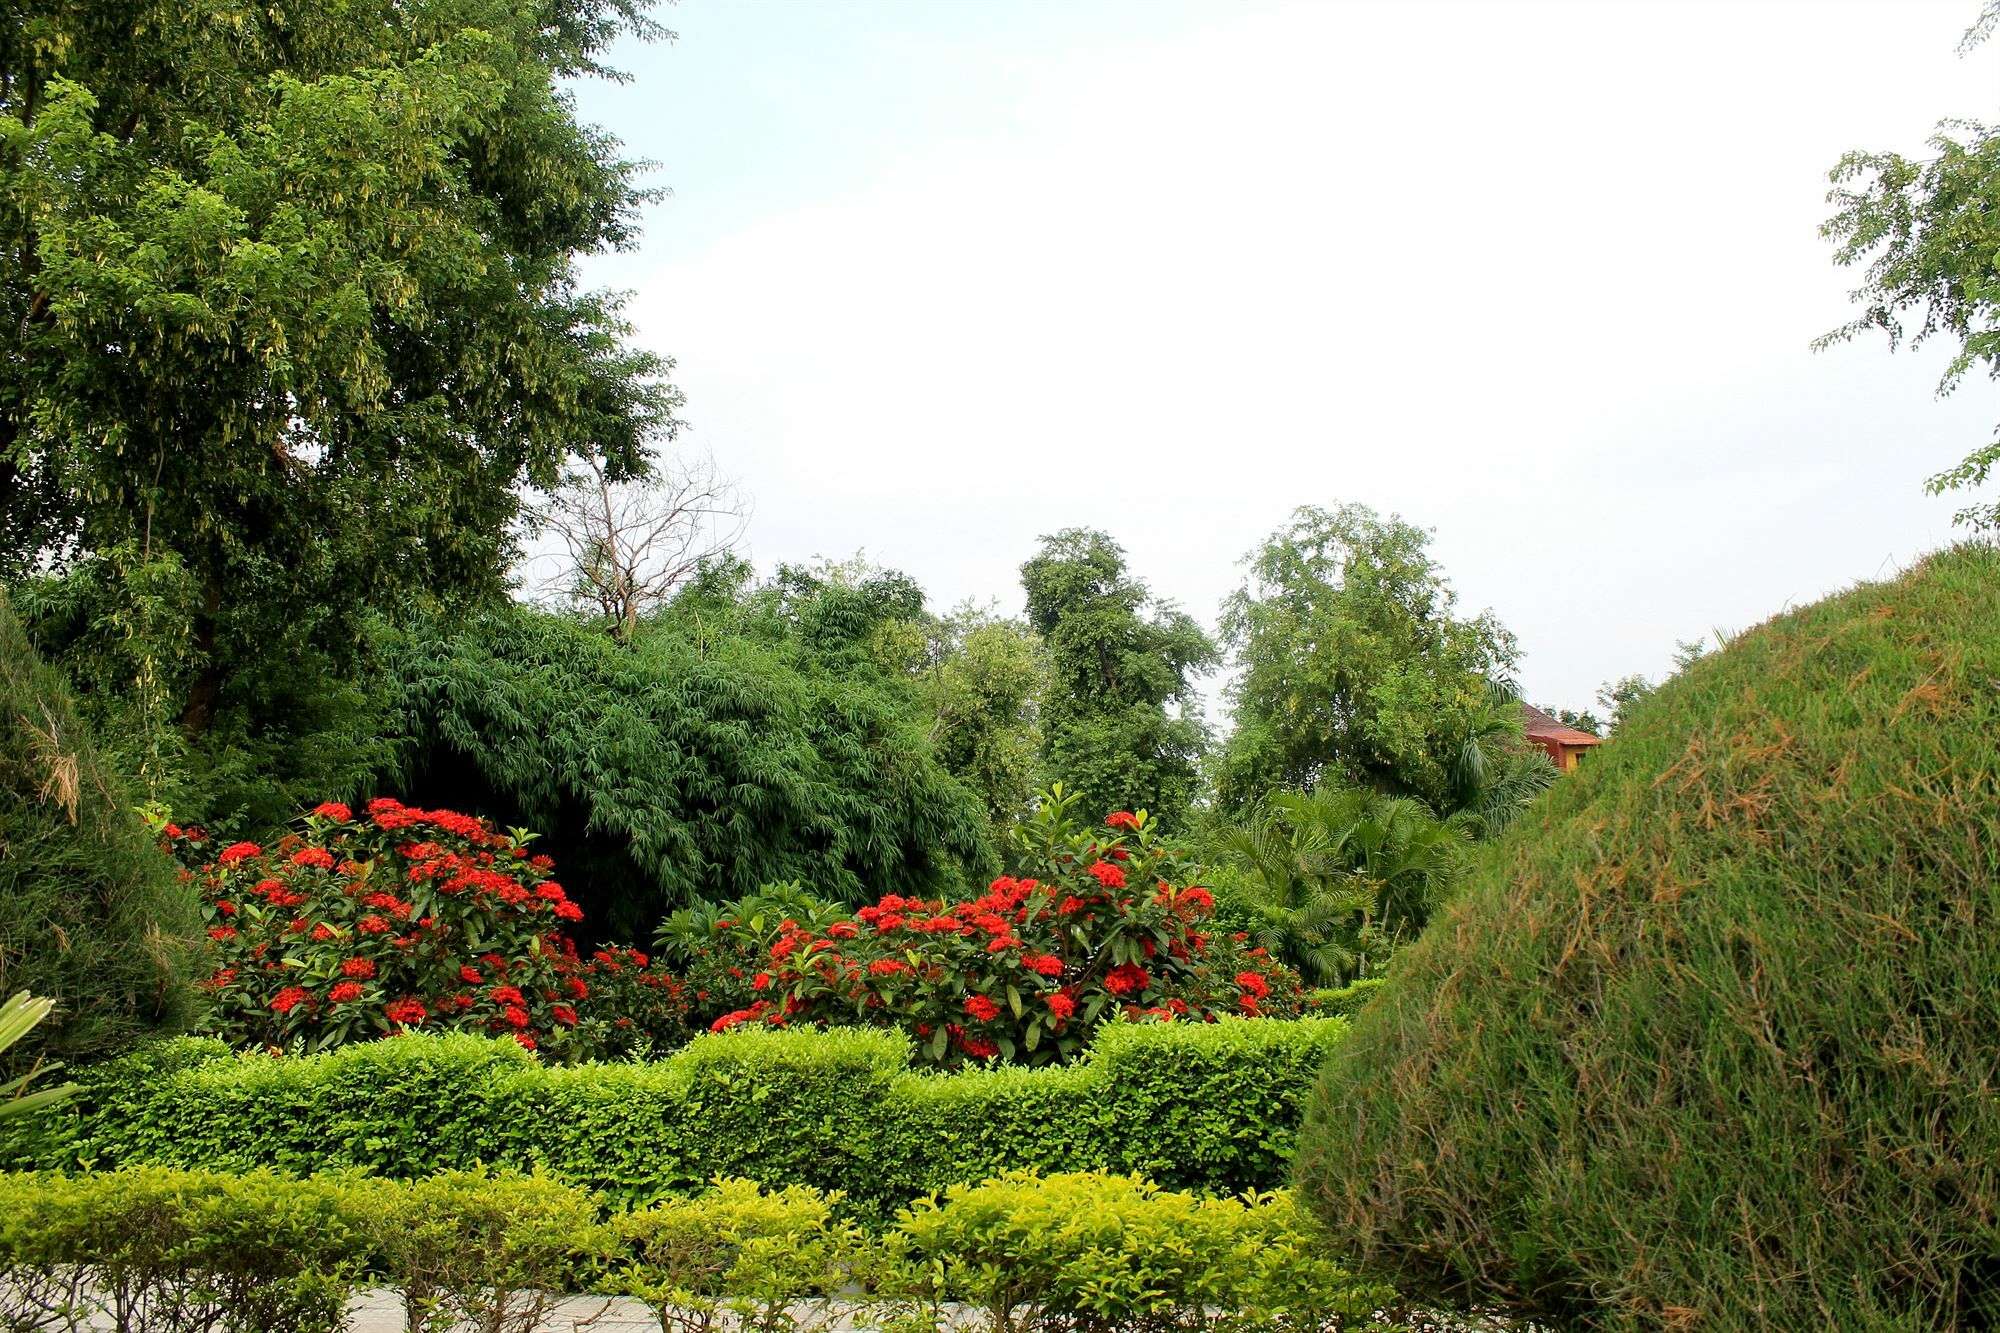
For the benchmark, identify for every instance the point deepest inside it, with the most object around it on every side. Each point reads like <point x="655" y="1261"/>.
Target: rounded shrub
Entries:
<point x="1712" y="1038"/>
<point x="92" y="915"/>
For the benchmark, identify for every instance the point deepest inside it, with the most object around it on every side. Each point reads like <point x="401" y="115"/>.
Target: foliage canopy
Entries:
<point x="1354" y="665"/>
<point x="736" y="742"/>
<point x="289" y="302"/>
<point x="1929" y="237"/>
<point x="1121" y="725"/>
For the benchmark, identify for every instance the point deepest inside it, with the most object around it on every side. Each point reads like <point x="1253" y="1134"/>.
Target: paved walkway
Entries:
<point x="382" y="1312"/>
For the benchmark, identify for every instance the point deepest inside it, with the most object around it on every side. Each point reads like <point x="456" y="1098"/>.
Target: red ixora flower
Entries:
<point x="505" y="995"/>
<point x="887" y="967"/>
<point x="1121" y="819"/>
<point x="407" y="1013"/>
<point x="314" y="856"/>
<point x="1047" y="964"/>
<point x="1254" y="983"/>
<point x="344" y="991"/>
<point x="239" y="851"/>
<point x="288" y="999"/>
<point x="1061" y="1005"/>
<point x="1126" y="978"/>
<point x="358" y="967"/>
<point x="1109" y="875"/>
<point x="333" y="810"/>
<point x="981" y="1008"/>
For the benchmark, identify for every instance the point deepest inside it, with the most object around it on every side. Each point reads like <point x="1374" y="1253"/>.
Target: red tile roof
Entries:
<point x="1544" y="729"/>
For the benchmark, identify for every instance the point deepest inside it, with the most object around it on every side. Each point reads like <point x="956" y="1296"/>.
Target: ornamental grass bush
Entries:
<point x="1211" y="1107"/>
<point x="91" y="915"/>
<point x="1710" y="1041"/>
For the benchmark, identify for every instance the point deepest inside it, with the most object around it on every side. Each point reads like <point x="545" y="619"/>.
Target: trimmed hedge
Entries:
<point x="1711" y="1038"/>
<point x="264" y="1253"/>
<point x="1345" y="1002"/>
<point x="1212" y="1107"/>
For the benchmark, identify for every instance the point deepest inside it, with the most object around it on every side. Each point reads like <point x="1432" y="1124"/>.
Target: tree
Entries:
<point x="1619" y="697"/>
<point x="629" y="544"/>
<point x="1354" y="666"/>
<point x="1336" y="879"/>
<point x="984" y="692"/>
<point x="1121" y="725"/>
<point x="1497" y="774"/>
<point x="287" y="294"/>
<point x="744" y="738"/>
<point x="1584" y="721"/>
<point x="1929" y="235"/>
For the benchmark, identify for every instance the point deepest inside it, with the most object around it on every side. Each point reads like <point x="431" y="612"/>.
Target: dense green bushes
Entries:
<point x="261" y="1253"/>
<point x="1208" y="1106"/>
<point x="91" y="914"/>
<point x="697" y="762"/>
<point x="1710" y="1039"/>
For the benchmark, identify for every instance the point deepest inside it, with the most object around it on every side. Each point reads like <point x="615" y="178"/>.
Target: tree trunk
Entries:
<point x="207" y="686"/>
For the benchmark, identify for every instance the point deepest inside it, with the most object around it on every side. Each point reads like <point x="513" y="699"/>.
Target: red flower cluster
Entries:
<point x="360" y="927"/>
<point x="1065" y="950"/>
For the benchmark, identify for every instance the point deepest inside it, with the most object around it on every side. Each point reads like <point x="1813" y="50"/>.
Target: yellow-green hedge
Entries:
<point x="265" y="1253"/>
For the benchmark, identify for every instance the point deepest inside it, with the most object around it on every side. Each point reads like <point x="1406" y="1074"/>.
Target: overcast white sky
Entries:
<point x="944" y="276"/>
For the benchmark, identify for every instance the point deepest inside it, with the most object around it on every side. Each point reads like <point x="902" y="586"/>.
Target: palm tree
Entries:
<point x="1497" y="774"/>
<point x="1338" y="877"/>
<point x="1304" y="911"/>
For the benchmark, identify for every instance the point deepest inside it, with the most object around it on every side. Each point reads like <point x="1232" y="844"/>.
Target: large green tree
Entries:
<point x="1355" y="666"/>
<point x="288" y="306"/>
<point x="982" y="685"/>
<point x="1928" y="232"/>
<point x="1121" y="724"/>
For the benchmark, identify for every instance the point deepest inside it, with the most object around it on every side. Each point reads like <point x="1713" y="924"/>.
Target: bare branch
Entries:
<point x="630" y="544"/>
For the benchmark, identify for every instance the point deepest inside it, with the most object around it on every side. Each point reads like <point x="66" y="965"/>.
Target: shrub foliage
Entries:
<point x="839" y="1109"/>
<point x="91" y="915"/>
<point x="1026" y="971"/>
<point x="389" y="921"/>
<point x="1709" y="1041"/>
<point x="262" y="1253"/>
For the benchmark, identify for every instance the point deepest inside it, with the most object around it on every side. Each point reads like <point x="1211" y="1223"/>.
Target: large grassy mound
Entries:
<point x="1713" y="1039"/>
<point x="91" y="912"/>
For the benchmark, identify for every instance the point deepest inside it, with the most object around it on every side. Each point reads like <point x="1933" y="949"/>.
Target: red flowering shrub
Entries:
<point x="399" y="918"/>
<point x="719" y="948"/>
<point x="1026" y="971"/>
<point x="634" y="1005"/>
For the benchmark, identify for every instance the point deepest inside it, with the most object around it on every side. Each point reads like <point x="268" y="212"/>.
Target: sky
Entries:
<point x="941" y="276"/>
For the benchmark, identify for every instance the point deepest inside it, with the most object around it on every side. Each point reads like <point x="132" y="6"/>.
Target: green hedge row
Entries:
<point x="1210" y="1107"/>
<point x="264" y="1253"/>
<point x="1345" y="1002"/>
